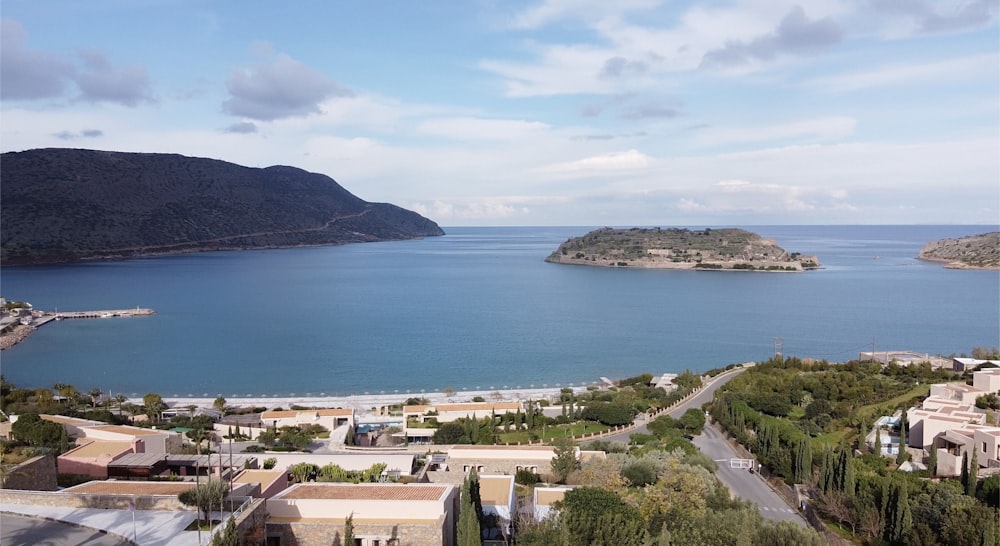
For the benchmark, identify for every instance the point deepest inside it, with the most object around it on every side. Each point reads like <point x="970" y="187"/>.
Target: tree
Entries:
<point x="898" y="519"/>
<point x="803" y="461"/>
<point x="220" y="404"/>
<point x="693" y="421"/>
<point x="932" y="464"/>
<point x="349" y="530"/>
<point x="451" y="433"/>
<point x="205" y="496"/>
<point x="229" y="537"/>
<point x="469" y="530"/>
<point x="965" y="471"/>
<point x="901" y="455"/>
<point x="564" y="462"/>
<point x="301" y="472"/>
<point x="599" y="517"/>
<point x="35" y="431"/>
<point x="878" y="440"/>
<point x="786" y="533"/>
<point x="970" y="486"/>
<point x="154" y="406"/>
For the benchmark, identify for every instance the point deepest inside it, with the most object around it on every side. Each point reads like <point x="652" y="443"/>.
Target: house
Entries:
<point x="144" y="466"/>
<point x="987" y="380"/>
<point x="92" y="458"/>
<point x="314" y="514"/>
<point x="397" y="464"/>
<point x="498" y="459"/>
<point x="268" y="482"/>
<point x="499" y="506"/>
<point x="543" y="499"/>
<point x="326" y="418"/>
<point x="961" y="392"/>
<point x="153" y="441"/>
<point x="956" y="442"/>
<point x="446" y="413"/>
<point x="927" y="424"/>
<point x="965" y="364"/>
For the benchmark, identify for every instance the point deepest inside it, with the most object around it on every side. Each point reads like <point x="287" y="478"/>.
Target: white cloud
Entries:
<point x="828" y="128"/>
<point x="615" y="161"/>
<point x="467" y="128"/>
<point x="946" y="72"/>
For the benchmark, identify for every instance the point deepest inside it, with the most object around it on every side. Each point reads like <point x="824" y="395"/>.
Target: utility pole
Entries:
<point x="779" y="346"/>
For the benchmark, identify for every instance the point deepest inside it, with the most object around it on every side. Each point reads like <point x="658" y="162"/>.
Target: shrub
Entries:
<point x="526" y="477"/>
<point x="270" y="462"/>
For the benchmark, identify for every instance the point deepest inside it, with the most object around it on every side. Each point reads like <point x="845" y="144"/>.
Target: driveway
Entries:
<point x="27" y="531"/>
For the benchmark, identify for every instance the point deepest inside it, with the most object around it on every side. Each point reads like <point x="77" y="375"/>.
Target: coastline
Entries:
<point x="15" y="336"/>
<point x="365" y="402"/>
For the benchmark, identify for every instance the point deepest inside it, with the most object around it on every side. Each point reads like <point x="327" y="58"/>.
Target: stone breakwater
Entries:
<point x="17" y="335"/>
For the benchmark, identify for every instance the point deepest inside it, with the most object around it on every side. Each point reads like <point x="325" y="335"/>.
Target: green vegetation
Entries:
<point x="708" y="249"/>
<point x="786" y="410"/>
<point x="205" y="496"/>
<point x="470" y="512"/>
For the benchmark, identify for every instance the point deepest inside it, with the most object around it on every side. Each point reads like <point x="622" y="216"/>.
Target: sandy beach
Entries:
<point x="365" y="402"/>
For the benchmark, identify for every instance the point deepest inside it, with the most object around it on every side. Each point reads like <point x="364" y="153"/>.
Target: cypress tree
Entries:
<point x="901" y="455"/>
<point x="826" y="479"/>
<point x="348" y="530"/>
<point x="898" y="519"/>
<point x="932" y="463"/>
<point x="848" y="473"/>
<point x="803" y="461"/>
<point x="965" y="471"/>
<point x="469" y="533"/>
<point x="878" y="440"/>
<point x="970" y="487"/>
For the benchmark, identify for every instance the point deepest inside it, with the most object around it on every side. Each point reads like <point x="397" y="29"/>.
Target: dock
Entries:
<point x="137" y="312"/>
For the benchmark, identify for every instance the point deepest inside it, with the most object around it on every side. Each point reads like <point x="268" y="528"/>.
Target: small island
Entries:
<point x="677" y="248"/>
<point x="973" y="252"/>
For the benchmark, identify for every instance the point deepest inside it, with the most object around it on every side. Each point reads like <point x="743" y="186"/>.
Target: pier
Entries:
<point x="137" y="312"/>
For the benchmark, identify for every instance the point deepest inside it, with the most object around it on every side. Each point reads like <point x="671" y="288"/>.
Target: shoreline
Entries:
<point x="365" y="402"/>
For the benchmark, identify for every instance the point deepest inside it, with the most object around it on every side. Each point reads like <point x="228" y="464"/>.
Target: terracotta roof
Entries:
<point x="258" y="476"/>
<point x="335" y="412"/>
<point x="279" y="414"/>
<point x="364" y="492"/>
<point x="113" y="487"/>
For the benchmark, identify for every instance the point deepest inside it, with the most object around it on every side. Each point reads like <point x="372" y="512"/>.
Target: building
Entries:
<point x="982" y="440"/>
<point x="314" y="514"/>
<point x="965" y="364"/>
<point x="397" y="464"/>
<point x="960" y="392"/>
<point x="268" y="482"/>
<point x="499" y="506"/>
<point x="543" y="499"/>
<point x="461" y="459"/>
<point x="326" y="418"/>
<point x="92" y="458"/>
<point x="446" y="413"/>
<point x="987" y="380"/>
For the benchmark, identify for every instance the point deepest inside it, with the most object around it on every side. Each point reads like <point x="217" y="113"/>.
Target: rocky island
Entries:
<point x="676" y="248"/>
<point x="66" y="205"/>
<point x="972" y="252"/>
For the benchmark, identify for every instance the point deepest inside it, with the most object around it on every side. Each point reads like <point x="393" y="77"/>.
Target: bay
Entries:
<point x="479" y="308"/>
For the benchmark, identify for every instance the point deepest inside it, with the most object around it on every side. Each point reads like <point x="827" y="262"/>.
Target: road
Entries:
<point x="740" y="482"/>
<point x="23" y="531"/>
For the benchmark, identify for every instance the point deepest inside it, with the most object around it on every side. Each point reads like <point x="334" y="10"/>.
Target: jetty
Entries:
<point x="15" y="327"/>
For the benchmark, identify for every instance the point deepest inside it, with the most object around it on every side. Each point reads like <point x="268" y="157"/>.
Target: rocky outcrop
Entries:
<point x="62" y="205"/>
<point x="973" y="252"/>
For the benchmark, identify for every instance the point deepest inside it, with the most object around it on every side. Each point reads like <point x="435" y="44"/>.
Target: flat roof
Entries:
<point x="546" y="496"/>
<point x="374" y="491"/>
<point x="126" y="487"/>
<point x="98" y="448"/>
<point x="149" y="459"/>
<point x="64" y="420"/>
<point x="131" y="431"/>
<point x="496" y="490"/>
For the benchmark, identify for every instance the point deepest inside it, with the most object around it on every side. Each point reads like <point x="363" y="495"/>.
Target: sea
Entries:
<point x="479" y="308"/>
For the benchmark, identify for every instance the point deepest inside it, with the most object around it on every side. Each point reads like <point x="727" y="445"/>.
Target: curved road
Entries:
<point x="740" y="482"/>
<point x="25" y="531"/>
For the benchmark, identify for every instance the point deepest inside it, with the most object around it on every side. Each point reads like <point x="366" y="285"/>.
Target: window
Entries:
<point x="465" y="468"/>
<point x="481" y="468"/>
<point x="984" y="447"/>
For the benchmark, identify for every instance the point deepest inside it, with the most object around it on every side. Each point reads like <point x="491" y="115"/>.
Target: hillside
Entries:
<point x="973" y="252"/>
<point x="675" y="248"/>
<point x="64" y="205"/>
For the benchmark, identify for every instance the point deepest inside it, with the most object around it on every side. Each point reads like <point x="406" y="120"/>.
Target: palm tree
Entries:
<point x="95" y="396"/>
<point x="120" y="399"/>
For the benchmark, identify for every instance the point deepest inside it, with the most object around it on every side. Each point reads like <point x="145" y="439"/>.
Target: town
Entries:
<point x="660" y="454"/>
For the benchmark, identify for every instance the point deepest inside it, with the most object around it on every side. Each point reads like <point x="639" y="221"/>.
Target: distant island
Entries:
<point x="675" y="248"/>
<point x="972" y="252"/>
<point x="66" y="205"/>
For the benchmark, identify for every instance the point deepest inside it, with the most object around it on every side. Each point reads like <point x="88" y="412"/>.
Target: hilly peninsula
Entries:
<point x="65" y="205"/>
<point x="972" y="252"/>
<point x="675" y="248"/>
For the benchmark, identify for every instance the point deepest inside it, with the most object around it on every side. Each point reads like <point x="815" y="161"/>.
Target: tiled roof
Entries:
<point x="336" y="491"/>
<point x="113" y="487"/>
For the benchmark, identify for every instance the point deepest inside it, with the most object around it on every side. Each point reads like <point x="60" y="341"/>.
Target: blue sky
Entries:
<point x="557" y="112"/>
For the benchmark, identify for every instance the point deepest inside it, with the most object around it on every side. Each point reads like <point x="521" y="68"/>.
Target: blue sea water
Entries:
<point x="479" y="307"/>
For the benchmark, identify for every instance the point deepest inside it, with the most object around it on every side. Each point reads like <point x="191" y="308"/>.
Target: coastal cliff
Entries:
<point x="973" y="252"/>
<point x="674" y="248"/>
<point x="66" y="205"/>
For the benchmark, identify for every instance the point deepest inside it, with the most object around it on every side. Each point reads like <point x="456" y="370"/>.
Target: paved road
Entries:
<point x="740" y="482"/>
<point x="24" y="531"/>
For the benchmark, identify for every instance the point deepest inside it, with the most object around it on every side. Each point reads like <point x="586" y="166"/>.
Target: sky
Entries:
<point x="540" y="113"/>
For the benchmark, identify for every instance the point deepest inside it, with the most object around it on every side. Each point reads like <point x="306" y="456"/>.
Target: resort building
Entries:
<point x="265" y="483"/>
<point x="965" y="364"/>
<point x="499" y="507"/>
<point x="543" y="499"/>
<point x="446" y="413"/>
<point x="461" y="459"/>
<point x="326" y="418"/>
<point x="314" y="514"/>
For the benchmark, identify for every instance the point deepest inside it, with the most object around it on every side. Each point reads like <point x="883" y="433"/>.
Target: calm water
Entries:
<point x="480" y="308"/>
